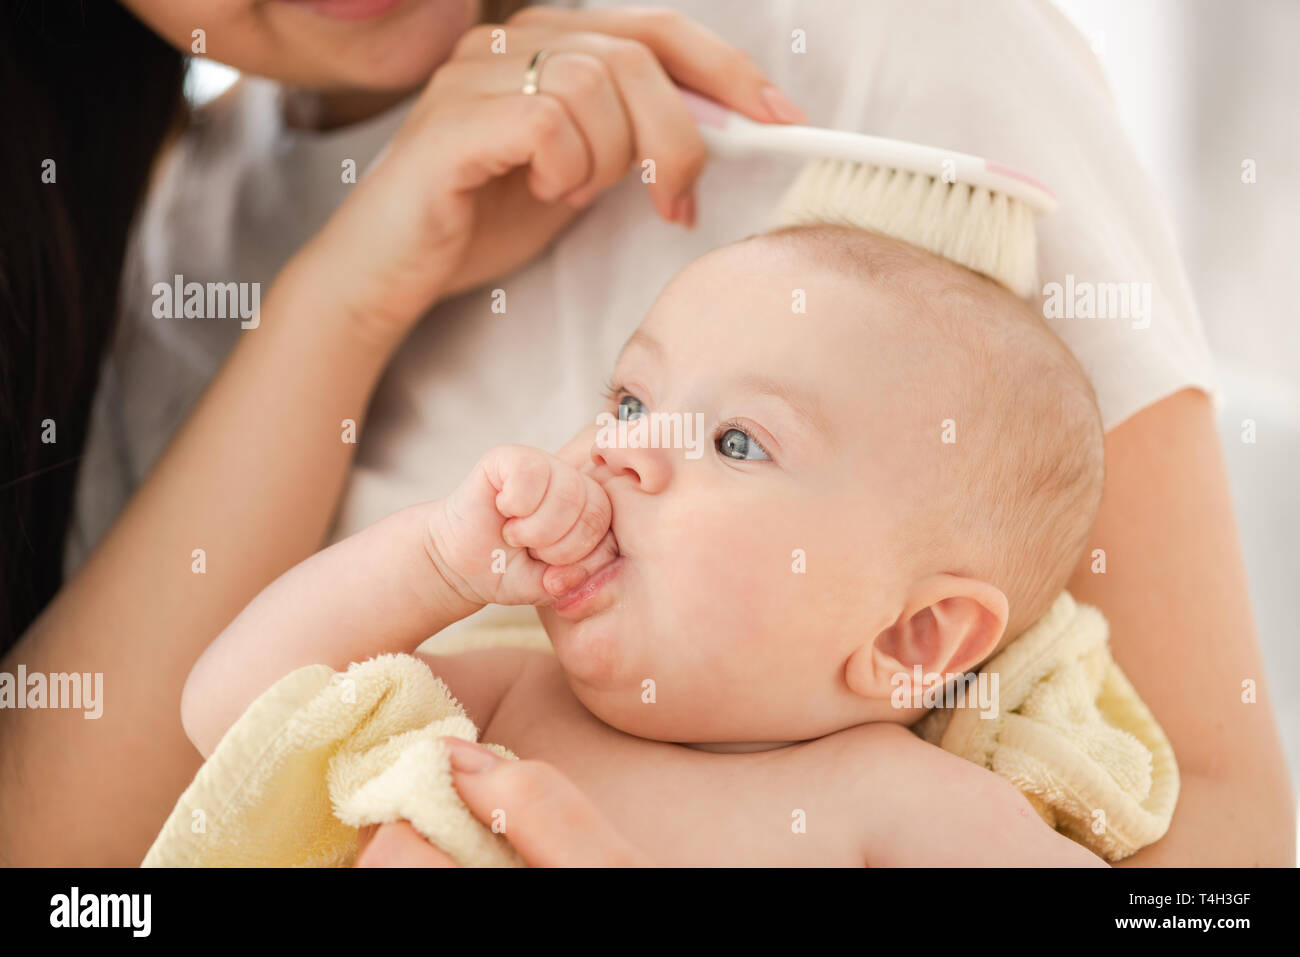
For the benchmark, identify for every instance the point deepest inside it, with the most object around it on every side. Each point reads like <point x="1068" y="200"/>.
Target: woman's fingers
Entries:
<point x="498" y="134"/>
<point x="560" y="158"/>
<point x="580" y="82"/>
<point x="618" y="97"/>
<point x="543" y="816"/>
<point x="693" y="55"/>
<point x="397" y="845"/>
<point x="666" y="140"/>
<point x="616" y="73"/>
<point x="583" y="84"/>
<point x="541" y="813"/>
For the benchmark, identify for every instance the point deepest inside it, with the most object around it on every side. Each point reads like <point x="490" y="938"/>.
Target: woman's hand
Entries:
<point x="547" y="820"/>
<point x="480" y="177"/>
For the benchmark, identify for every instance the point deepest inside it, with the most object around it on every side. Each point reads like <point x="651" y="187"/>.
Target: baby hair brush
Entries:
<point x="961" y="207"/>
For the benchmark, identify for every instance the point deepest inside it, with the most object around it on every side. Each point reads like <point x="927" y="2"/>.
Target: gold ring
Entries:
<point x="533" y="75"/>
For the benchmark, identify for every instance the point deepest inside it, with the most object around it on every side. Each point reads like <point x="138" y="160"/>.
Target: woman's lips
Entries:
<point x="577" y="603"/>
<point x="349" y="9"/>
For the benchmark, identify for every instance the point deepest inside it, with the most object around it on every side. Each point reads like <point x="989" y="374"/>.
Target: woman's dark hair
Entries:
<point x="88" y="95"/>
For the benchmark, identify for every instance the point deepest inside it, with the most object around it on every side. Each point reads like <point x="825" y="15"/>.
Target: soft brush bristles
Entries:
<point x="989" y="233"/>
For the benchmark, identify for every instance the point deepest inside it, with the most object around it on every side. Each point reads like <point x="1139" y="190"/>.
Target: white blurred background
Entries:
<point x="1203" y="86"/>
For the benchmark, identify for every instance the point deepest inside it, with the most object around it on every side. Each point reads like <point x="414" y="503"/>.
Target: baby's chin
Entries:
<point x="600" y="663"/>
<point x="590" y="650"/>
<point x="598" y="657"/>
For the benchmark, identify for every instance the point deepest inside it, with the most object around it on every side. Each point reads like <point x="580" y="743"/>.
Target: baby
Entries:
<point x="904" y="467"/>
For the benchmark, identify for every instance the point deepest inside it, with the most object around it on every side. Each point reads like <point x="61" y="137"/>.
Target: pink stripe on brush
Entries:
<point x="1016" y="174"/>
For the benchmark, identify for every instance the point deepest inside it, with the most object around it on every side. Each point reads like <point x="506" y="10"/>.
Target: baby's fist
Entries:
<point x="522" y="528"/>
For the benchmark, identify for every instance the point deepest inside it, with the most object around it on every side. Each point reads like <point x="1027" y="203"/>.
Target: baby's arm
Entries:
<point x="930" y="808"/>
<point x="393" y="585"/>
<point x="372" y="593"/>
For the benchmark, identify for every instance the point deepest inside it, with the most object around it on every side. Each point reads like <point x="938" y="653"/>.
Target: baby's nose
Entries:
<point x="648" y="468"/>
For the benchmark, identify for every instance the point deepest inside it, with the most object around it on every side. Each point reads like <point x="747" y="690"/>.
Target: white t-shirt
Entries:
<point x="1012" y="81"/>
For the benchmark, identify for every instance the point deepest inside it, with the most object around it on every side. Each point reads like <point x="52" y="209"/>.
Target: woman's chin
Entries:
<point x="397" y="52"/>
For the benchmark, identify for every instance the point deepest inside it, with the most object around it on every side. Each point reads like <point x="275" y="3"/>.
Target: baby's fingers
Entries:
<point x="562" y="579"/>
<point x="572" y="519"/>
<point x="521" y="477"/>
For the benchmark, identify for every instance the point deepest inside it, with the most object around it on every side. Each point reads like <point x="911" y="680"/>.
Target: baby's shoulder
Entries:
<point x="866" y="750"/>
<point x="885" y="767"/>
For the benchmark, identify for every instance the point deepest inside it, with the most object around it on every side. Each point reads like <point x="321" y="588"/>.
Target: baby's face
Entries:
<point x="750" y="573"/>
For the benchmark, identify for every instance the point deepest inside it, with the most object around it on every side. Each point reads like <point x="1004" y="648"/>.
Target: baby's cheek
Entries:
<point x="728" y="598"/>
<point x="741" y="553"/>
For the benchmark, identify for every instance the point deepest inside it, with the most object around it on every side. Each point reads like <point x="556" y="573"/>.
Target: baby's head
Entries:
<point x="901" y="466"/>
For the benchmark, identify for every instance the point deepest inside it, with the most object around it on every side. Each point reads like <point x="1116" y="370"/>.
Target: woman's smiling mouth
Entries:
<point x="350" y="9"/>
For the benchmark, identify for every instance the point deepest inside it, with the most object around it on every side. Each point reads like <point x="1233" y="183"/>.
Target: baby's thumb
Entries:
<point x="559" y="580"/>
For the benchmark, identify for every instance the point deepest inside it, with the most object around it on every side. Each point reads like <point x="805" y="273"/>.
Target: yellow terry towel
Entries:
<point x="1072" y="734"/>
<point x="321" y="754"/>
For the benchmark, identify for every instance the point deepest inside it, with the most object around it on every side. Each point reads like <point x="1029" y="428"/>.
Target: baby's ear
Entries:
<point x="948" y="625"/>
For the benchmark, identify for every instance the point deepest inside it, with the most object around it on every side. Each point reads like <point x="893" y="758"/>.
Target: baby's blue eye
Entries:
<point x="736" y="444"/>
<point x="630" y="408"/>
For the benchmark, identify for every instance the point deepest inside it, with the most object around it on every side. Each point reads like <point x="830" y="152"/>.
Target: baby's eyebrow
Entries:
<point x="645" y="341"/>
<point x="803" y="404"/>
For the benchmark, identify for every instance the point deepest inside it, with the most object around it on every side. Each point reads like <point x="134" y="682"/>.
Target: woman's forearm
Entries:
<point x="252" y="480"/>
<point x="1174" y="591"/>
<point x="1223" y="822"/>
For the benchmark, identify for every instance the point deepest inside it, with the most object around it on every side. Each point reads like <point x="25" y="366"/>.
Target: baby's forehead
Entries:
<point x="811" y="255"/>
<point x="816" y="288"/>
<point x="870" y="261"/>
<point x="760" y="305"/>
<point x="837" y="308"/>
<point x="753" y="319"/>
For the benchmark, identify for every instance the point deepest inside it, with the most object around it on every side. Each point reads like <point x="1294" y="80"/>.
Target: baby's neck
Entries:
<point x="738" y="747"/>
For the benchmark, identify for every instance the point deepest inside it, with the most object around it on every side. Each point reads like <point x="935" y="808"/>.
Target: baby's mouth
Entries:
<point x="577" y="603"/>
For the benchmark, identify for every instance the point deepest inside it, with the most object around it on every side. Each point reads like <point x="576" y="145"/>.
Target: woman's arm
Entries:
<point x="1175" y="594"/>
<point x="252" y="479"/>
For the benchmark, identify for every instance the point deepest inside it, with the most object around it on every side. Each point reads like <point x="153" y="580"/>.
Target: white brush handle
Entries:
<point x="727" y="133"/>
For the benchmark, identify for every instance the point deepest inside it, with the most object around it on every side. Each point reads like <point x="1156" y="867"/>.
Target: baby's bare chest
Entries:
<point x="685" y="807"/>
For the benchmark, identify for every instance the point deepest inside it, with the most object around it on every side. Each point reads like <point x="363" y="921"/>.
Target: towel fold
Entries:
<point x="1072" y="734"/>
<point x="321" y="754"/>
